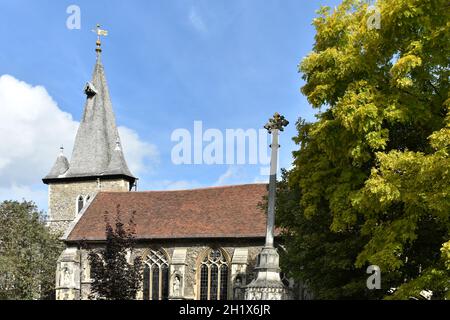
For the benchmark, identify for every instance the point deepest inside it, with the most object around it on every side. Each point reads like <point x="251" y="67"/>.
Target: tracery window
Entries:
<point x="156" y="276"/>
<point x="214" y="276"/>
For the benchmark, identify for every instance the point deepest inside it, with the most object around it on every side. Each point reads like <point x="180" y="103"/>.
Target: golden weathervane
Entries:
<point x="99" y="32"/>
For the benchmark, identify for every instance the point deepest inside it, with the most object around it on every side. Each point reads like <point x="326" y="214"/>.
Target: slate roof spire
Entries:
<point x="61" y="165"/>
<point x="94" y="153"/>
<point x="117" y="165"/>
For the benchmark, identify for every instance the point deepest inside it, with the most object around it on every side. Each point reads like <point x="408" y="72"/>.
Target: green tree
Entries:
<point x="28" y="253"/>
<point x="113" y="277"/>
<point x="371" y="180"/>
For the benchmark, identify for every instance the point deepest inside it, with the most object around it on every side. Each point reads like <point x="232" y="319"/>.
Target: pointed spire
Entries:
<point x="95" y="151"/>
<point x="60" y="166"/>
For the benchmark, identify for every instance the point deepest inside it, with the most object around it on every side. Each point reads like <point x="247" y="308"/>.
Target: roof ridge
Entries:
<point x="188" y="190"/>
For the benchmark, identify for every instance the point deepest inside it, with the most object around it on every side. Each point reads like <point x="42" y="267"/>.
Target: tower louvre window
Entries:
<point x="80" y="204"/>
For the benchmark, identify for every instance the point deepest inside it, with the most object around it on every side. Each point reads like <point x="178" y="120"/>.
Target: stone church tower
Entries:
<point x="97" y="162"/>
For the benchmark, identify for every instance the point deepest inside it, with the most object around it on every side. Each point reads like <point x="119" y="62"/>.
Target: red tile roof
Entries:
<point x="219" y="212"/>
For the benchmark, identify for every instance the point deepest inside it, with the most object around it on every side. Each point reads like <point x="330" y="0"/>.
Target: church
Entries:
<point x="199" y="244"/>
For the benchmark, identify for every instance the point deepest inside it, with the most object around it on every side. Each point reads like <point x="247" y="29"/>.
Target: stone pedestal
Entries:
<point x="268" y="284"/>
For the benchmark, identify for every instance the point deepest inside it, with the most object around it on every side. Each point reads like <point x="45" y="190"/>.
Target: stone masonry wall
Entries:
<point x="190" y="276"/>
<point x="63" y="198"/>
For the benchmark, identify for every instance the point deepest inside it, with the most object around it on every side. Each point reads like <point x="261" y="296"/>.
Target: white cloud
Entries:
<point x="181" y="185"/>
<point x="32" y="128"/>
<point x="171" y="185"/>
<point x="239" y="175"/>
<point x="234" y="174"/>
<point x="261" y="179"/>
<point x="141" y="156"/>
<point x="197" y="21"/>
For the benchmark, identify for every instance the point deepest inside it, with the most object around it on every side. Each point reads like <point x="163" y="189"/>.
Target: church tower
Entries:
<point x="97" y="162"/>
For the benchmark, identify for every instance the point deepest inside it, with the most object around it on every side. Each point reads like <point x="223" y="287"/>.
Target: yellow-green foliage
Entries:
<point x="377" y="159"/>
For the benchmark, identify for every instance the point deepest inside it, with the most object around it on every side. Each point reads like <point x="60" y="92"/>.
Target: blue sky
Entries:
<point x="230" y="64"/>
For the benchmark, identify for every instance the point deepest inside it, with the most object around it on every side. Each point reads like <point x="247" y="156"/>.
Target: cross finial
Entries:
<point x="99" y="32"/>
<point x="278" y="122"/>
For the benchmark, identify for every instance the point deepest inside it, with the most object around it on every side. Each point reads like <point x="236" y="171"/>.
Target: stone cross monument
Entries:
<point x="268" y="284"/>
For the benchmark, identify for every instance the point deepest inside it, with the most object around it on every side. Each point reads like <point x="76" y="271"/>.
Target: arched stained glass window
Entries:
<point x="214" y="276"/>
<point x="214" y="281"/>
<point x="223" y="282"/>
<point x="155" y="282"/>
<point x="165" y="283"/>
<point x="156" y="276"/>
<point x="204" y="280"/>
<point x="146" y="284"/>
